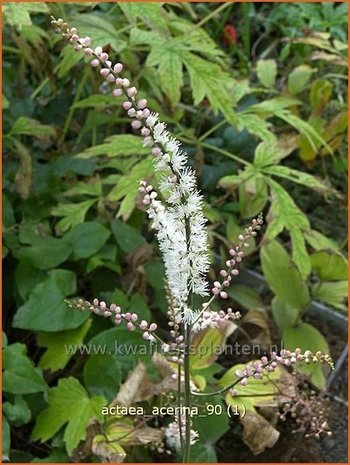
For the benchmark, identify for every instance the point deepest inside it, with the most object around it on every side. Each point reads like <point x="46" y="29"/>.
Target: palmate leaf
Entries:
<point x="72" y="213"/>
<point x="120" y="145"/>
<point x="18" y="14"/>
<point x="69" y="405"/>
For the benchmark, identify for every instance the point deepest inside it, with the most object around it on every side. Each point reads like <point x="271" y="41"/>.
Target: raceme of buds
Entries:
<point x="236" y="256"/>
<point x="180" y="223"/>
<point x="132" y="320"/>
<point x="259" y="368"/>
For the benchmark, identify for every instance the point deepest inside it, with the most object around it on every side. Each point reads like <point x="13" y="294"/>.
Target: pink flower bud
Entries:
<point x="226" y="283"/>
<point x="127" y="105"/>
<point x="110" y="78"/>
<point x="87" y="41"/>
<point x="126" y="83"/>
<point x="78" y="47"/>
<point x="119" y="82"/>
<point x="146" y="336"/>
<point x="98" y="50"/>
<point x="104" y="72"/>
<point x="217" y="284"/>
<point x="75" y="38"/>
<point x="95" y="302"/>
<point x="117" y="93"/>
<point x="153" y="327"/>
<point x="143" y="324"/>
<point x="145" y="132"/>
<point x="223" y="295"/>
<point x="88" y="52"/>
<point x="94" y="63"/>
<point x="130" y="326"/>
<point x="156" y="151"/>
<point x="215" y="291"/>
<point x="134" y="317"/>
<point x="128" y="316"/>
<point x="102" y="304"/>
<point x="146" y="113"/>
<point x="142" y="104"/>
<point x="223" y="273"/>
<point x="132" y="91"/>
<point x="136" y="124"/>
<point x="104" y="56"/>
<point x="235" y="272"/>
<point x="118" y="68"/>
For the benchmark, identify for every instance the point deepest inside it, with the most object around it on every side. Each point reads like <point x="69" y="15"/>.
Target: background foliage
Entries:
<point x="257" y="95"/>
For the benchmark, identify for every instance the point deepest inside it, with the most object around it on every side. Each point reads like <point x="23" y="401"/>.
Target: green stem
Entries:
<point x="187" y="448"/>
<point x="72" y="109"/>
<point x="213" y="13"/>
<point x="226" y="153"/>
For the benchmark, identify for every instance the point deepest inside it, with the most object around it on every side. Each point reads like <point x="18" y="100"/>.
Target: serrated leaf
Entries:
<point x="101" y="31"/>
<point x="96" y="101"/>
<point x="122" y="145"/>
<point x="56" y="355"/>
<point x="73" y="214"/>
<point x="127" y="237"/>
<point x="128" y="185"/>
<point x="151" y="14"/>
<point x="18" y="412"/>
<point x="69" y="406"/>
<point x="257" y="126"/>
<point x="267" y="72"/>
<point x="69" y="58"/>
<point x="18" y="14"/>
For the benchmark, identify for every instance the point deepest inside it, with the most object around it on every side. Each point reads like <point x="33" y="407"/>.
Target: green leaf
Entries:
<point x="333" y="293"/>
<point x="101" y="31"/>
<point x="318" y="241"/>
<point x="284" y="314"/>
<point x="73" y="213"/>
<point x="299" y="177"/>
<point x="245" y="296"/>
<point x="45" y="310"/>
<point x="267" y="72"/>
<point x="151" y="14"/>
<point x="47" y="252"/>
<point x="171" y="77"/>
<point x="86" y="239"/>
<point x="255" y="393"/>
<point x="266" y="155"/>
<point x="56" y="456"/>
<point x="257" y="126"/>
<point x="95" y="101"/>
<point x="18" y="14"/>
<point x="57" y="356"/>
<point x="17" y="413"/>
<point x="6" y="439"/>
<point x="253" y="196"/>
<point x="26" y="278"/>
<point x="206" y="346"/>
<point x="127" y="237"/>
<point x="330" y="265"/>
<point x="210" y="428"/>
<point x="208" y="80"/>
<point x="298" y="78"/>
<point x="69" y="58"/>
<point x="69" y="405"/>
<point x="20" y="376"/>
<point x="25" y="126"/>
<point x="320" y="94"/>
<point x="283" y="277"/>
<point x="102" y="376"/>
<point x="306" y="337"/>
<point x="121" y="145"/>
<point x="284" y="213"/>
<point x="128" y="185"/>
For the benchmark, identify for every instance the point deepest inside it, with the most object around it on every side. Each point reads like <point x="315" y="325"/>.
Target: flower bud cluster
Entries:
<point x="259" y="368"/>
<point x="114" y="311"/>
<point x="236" y="256"/>
<point x="210" y="319"/>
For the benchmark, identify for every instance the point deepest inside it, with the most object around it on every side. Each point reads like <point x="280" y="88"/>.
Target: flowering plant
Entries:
<point x="176" y="213"/>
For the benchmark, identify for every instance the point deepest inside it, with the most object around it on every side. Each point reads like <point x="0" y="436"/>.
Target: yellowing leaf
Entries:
<point x="267" y="72"/>
<point x="298" y="78"/>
